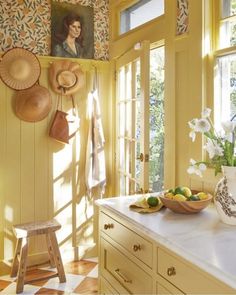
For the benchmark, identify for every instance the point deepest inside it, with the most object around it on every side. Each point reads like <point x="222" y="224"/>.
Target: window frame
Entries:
<point x="216" y="50"/>
<point x="116" y="6"/>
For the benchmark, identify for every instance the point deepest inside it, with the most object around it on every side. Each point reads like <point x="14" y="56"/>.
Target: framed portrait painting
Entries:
<point x="72" y="30"/>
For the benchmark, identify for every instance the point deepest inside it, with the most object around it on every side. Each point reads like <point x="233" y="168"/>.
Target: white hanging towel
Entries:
<point x="95" y="170"/>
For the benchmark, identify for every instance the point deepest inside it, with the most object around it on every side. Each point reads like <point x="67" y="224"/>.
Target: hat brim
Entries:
<point x="33" y="104"/>
<point x="8" y="59"/>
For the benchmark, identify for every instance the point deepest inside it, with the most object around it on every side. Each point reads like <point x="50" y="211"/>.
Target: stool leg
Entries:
<point x="15" y="263"/>
<point x="50" y="251"/>
<point x="22" y="266"/>
<point x="57" y="257"/>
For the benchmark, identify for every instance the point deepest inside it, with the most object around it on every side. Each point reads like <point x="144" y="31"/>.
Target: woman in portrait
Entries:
<point x="69" y="42"/>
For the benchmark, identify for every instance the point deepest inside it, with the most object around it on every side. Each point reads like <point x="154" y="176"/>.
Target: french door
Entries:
<point x="132" y="119"/>
<point x="137" y="121"/>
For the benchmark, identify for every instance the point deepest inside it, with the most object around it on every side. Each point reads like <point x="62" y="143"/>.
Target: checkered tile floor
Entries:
<point x="81" y="278"/>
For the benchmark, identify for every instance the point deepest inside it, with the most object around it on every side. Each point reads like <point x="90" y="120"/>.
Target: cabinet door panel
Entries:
<point x="122" y="273"/>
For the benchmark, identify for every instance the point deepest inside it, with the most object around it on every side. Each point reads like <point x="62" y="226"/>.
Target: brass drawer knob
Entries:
<point x="108" y="226"/>
<point x="137" y="247"/>
<point x="171" y="271"/>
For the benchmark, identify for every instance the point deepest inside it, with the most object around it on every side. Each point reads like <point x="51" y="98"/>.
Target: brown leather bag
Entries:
<point x="64" y="126"/>
<point x="60" y="129"/>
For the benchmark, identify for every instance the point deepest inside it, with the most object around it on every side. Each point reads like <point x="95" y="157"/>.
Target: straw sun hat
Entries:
<point x="65" y="77"/>
<point x="19" y="68"/>
<point x="33" y="104"/>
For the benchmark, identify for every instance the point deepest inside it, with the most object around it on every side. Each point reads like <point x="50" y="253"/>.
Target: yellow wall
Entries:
<point x="41" y="178"/>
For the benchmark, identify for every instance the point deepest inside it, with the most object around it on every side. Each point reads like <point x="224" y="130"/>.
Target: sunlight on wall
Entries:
<point x="8" y="244"/>
<point x="8" y="213"/>
<point x="206" y="45"/>
<point x="62" y="176"/>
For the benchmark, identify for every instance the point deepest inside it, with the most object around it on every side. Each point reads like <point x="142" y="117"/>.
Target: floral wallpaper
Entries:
<point x="182" y="17"/>
<point x="27" y="23"/>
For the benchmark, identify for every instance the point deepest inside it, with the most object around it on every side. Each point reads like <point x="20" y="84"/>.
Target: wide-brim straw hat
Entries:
<point x="19" y="68"/>
<point x="33" y="104"/>
<point x="66" y="77"/>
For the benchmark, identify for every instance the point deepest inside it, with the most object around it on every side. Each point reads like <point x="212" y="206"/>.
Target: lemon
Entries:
<point x="187" y="191"/>
<point x="152" y="201"/>
<point x="169" y="195"/>
<point x="142" y="202"/>
<point x="194" y="198"/>
<point x="179" y="197"/>
<point x="202" y="195"/>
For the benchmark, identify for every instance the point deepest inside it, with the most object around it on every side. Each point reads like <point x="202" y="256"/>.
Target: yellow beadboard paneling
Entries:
<point x="42" y="178"/>
<point x="27" y="171"/>
<point x="12" y="168"/>
<point x="181" y="127"/>
<point x="3" y="122"/>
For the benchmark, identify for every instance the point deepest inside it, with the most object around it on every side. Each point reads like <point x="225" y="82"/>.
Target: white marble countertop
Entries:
<point x="200" y="238"/>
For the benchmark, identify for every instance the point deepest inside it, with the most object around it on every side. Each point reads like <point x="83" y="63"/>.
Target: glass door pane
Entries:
<point x="137" y="123"/>
<point x="130" y="121"/>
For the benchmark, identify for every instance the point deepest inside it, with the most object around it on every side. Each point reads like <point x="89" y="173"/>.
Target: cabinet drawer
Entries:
<point x="135" y="244"/>
<point x="105" y="288"/>
<point x="186" y="278"/>
<point x="122" y="273"/>
<point x="167" y="290"/>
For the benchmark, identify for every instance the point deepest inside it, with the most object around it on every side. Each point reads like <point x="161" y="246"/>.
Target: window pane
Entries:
<point x="225" y="89"/>
<point x="140" y="13"/>
<point x="137" y="119"/>
<point x="228" y="8"/>
<point x="227" y="34"/>
<point x="156" y="105"/>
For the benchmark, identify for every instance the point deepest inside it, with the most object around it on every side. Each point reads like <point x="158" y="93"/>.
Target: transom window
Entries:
<point x="140" y="13"/>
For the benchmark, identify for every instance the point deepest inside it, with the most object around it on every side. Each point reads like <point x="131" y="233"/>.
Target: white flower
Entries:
<point x="202" y="125"/>
<point x="228" y="126"/>
<point x="192" y="135"/>
<point x="192" y="123"/>
<point x="192" y="161"/>
<point x="220" y="144"/>
<point x="213" y="149"/>
<point x="195" y="168"/>
<point x="206" y="113"/>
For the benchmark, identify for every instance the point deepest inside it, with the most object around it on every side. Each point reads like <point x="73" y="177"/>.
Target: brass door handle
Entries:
<point x="137" y="247"/>
<point x="171" y="271"/>
<point x="119" y="273"/>
<point x="140" y="157"/>
<point x="108" y="226"/>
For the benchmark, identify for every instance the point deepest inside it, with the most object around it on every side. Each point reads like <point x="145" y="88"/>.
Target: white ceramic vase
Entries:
<point x="225" y="195"/>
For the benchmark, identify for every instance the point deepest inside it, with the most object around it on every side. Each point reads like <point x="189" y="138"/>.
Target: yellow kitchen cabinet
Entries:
<point x="132" y="262"/>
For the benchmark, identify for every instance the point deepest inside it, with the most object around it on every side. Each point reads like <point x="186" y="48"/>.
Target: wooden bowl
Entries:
<point x="186" y="207"/>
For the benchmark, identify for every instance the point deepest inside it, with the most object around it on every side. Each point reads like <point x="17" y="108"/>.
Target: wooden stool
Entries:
<point x="23" y="232"/>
